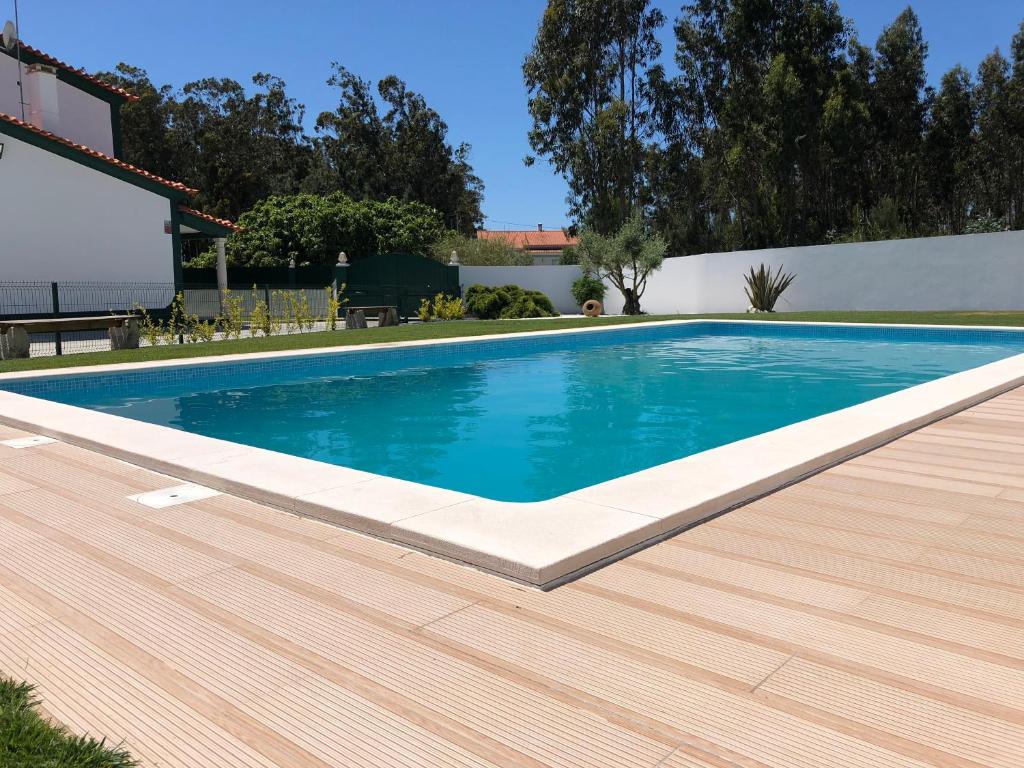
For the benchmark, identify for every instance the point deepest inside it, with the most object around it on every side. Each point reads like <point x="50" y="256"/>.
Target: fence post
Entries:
<point x="55" y="300"/>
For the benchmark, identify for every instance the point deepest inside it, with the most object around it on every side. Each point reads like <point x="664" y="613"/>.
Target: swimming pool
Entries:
<point x="534" y="419"/>
<point x="536" y="456"/>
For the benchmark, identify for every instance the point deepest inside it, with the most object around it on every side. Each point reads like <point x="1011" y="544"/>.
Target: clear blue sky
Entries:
<point x="463" y="55"/>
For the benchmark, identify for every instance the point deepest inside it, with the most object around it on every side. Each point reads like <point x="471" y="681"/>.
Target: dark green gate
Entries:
<point x="397" y="279"/>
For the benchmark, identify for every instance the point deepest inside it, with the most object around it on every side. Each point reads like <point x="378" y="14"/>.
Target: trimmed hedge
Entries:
<point x="507" y="302"/>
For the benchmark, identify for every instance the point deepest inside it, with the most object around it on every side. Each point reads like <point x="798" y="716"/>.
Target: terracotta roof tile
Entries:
<point x="212" y="219"/>
<point x="176" y="185"/>
<point x="528" y="238"/>
<point x="55" y="62"/>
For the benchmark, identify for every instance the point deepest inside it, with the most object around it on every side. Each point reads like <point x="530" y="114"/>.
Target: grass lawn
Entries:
<point x="27" y="740"/>
<point x="478" y="328"/>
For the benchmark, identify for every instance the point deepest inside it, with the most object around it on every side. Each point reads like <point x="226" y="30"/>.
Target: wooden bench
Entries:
<point x="14" y="334"/>
<point x="355" y="317"/>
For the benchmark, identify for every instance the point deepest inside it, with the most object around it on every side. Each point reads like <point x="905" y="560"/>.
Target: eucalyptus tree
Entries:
<point x="949" y="153"/>
<point x="589" y="77"/>
<point x="402" y="153"/>
<point x="750" y="100"/>
<point x="899" y="104"/>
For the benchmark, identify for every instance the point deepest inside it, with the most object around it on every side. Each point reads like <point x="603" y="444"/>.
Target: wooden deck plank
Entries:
<point x="871" y="615"/>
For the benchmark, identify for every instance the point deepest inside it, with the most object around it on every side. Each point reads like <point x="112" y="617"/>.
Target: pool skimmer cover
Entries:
<point x="27" y="442"/>
<point x="177" y="494"/>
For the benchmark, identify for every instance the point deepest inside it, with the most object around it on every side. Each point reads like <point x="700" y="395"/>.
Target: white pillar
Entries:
<point x="222" y="266"/>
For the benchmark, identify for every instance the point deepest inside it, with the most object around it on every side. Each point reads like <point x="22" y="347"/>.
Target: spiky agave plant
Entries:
<point x="764" y="288"/>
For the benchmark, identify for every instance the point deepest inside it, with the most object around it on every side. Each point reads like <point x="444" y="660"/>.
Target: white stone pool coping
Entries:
<point x="539" y="543"/>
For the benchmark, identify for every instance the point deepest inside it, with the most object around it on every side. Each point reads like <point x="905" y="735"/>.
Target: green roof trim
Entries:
<point x="206" y="228"/>
<point x="58" y="147"/>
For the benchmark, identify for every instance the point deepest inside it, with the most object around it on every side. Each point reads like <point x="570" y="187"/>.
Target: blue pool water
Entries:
<point x="524" y="420"/>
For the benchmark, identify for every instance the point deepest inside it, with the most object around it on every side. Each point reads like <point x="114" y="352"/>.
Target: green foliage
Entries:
<point x="587" y="287"/>
<point x="313" y="229"/>
<point x="626" y="258"/>
<point x="151" y="330"/>
<point x="441" y="307"/>
<point x="984" y="224"/>
<point x="232" y="315"/>
<point x="764" y="288"/>
<point x="478" y="252"/>
<point x="403" y="153"/>
<point x="426" y="311"/>
<point x="507" y="302"/>
<point x="334" y="305"/>
<point x="239" y="145"/>
<point x="590" y="76"/>
<point x="27" y="740"/>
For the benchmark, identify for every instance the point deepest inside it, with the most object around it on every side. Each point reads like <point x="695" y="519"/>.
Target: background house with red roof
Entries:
<point x="546" y="246"/>
<point x="71" y="208"/>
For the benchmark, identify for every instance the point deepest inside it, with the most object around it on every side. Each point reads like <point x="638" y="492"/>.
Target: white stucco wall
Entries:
<point x="84" y="118"/>
<point x="965" y="272"/>
<point x="60" y="220"/>
<point x="554" y="281"/>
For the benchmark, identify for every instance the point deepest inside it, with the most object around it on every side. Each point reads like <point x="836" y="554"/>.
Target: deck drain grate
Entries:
<point x="177" y="494"/>
<point x="28" y="442"/>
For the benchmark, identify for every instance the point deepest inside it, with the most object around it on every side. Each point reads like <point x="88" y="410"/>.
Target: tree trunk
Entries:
<point x="632" y="305"/>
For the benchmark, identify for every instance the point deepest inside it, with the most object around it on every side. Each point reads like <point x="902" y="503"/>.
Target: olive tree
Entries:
<point x="626" y="258"/>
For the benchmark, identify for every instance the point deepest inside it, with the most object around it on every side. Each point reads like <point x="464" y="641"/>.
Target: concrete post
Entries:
<point x="14" y="344"/>
<point x="222" y="266"/>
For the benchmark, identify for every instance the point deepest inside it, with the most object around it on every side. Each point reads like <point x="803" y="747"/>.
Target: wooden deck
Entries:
<point x="870" y="616"/>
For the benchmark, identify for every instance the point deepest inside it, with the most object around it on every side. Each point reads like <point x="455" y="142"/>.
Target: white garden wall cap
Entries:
<point x="539" y="543"/>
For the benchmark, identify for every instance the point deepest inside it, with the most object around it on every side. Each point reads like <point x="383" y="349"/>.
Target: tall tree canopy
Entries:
<point x="241" y="145"/>
<point x="779" y="128"/>
<point x="403" y="153"/>
<point x="591" y="76"/>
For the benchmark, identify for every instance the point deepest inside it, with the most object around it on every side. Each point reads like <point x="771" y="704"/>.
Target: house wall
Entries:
<point x="963" y="272"/>
<point x="60" y="220"/>
<point x="84" y="118"/>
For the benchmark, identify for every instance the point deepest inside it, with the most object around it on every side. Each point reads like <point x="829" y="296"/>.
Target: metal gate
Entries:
<point x="398" y="279"/>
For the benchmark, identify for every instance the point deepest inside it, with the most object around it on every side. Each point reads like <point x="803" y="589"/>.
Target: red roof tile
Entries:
<point x="176" y="185"/>
<point x="528" y="238"/>
<point x="212" y="219"/>
<point x="54" y="62"/>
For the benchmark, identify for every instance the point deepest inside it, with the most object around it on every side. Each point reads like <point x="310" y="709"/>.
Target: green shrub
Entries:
<point x="764" y="288"/>
<point x="479" y="252"/>
<point x="27" y="740"/>
<point x="314" y="228"/>
<point x="507" y="302"/>
<point x="441" y="307"/>
<point x="587" y="287"/>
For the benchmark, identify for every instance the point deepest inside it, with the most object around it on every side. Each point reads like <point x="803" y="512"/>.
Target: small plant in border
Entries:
<point x="764" y="288"/>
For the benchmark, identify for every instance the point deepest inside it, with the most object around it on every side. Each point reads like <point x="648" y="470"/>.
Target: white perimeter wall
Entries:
<point x="554" y="281"/>
<point x="984" y="272"/>
<point x="60" y="220"/>
<point x="964" y="272"/>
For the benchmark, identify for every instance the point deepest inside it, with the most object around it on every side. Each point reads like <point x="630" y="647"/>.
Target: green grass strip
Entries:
<point x="419" y="331"/>
<point x="27" y="740"/>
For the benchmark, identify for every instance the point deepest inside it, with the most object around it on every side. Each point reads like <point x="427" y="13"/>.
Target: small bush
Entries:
<point x="441" y="307"/>
<point x="764" y="288"/>
<point x="29" y="741"/>
<point x="587" y="287"/>
<point x="507" y="302"/>
<point x="426" y="312"/>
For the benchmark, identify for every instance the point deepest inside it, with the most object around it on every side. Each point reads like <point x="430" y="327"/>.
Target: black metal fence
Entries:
<point x="276" y="308"/>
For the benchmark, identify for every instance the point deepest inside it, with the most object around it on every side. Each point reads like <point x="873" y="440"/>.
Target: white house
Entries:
<point x="71" y="209"/>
